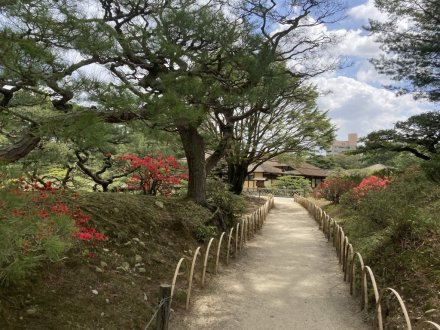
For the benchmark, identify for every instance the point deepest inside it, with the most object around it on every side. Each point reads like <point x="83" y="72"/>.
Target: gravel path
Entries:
<point x="286" y="278"/>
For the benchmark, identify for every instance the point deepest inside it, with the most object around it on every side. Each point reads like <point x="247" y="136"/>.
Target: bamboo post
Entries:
<point x="163" y="314"/>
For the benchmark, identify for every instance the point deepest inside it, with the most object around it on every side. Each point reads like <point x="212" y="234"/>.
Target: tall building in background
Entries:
<point x="342" y="146"/>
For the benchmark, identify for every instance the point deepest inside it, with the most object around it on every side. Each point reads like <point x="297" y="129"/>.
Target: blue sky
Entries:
<point x="354" y="97"/>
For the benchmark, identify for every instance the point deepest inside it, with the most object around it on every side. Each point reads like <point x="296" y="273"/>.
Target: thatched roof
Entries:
<point x="303" y="169"/>
<point x="307" y="169"/>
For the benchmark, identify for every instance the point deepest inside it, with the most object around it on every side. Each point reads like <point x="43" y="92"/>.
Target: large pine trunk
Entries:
<point x="237" y="174"/>
<point x="194" y="147"/>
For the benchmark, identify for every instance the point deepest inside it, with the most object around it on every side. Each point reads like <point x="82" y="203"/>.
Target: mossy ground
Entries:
<point x="113" y="284"/>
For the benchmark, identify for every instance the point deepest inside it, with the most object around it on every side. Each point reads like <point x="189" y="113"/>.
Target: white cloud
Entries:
<point x="358" y="107"/>
<point x="368" y="74"/>
<point x="354" y="103"/>
<point x="366" y="11"/>
<point x="355" y="43"/>
<point x="348" y="44"/>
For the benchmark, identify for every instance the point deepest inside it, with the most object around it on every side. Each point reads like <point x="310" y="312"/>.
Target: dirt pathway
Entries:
<point x="286" y="278"/>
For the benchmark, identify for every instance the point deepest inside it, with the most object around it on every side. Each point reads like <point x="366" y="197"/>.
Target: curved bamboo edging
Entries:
<point x="243" y="237"/>
<point x="353" y="271"/>
<point x="229" y="245"/>
<point x="401" y="303"/>
<point x="364" y="296"/>
<point x="347" y="257"/>
<point x="344" y="248"/>
<point x="191" y="275"/>
<point x="341" y="246"/>
<point x="434" y="325"/>
<point x="219" y="245"/>
<point x="237" y="231"/>
<point x="205" y="262"/>
<point x="176" y="273"/>
<point x="244" y="231"/>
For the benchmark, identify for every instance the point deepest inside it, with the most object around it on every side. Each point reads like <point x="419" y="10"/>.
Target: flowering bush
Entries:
<point x="368" y="184"/>
<point x="154" y="175"/>
<point x="334" y="187"/>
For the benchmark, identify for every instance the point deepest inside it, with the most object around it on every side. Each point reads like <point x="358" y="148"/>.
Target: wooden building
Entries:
<point x="263" y="175"/>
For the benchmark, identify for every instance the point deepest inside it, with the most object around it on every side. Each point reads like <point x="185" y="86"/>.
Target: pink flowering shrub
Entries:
<point x="370" y="184"/>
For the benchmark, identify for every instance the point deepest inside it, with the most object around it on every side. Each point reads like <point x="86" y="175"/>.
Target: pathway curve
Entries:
<point x="286" y="278"/>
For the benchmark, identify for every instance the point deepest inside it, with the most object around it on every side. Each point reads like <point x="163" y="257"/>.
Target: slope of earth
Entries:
<point x="112" y="284"/>
<point x="397" y="232"/>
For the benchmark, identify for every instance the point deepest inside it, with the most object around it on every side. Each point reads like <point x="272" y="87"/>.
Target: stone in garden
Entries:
<point x="31" y="311"/>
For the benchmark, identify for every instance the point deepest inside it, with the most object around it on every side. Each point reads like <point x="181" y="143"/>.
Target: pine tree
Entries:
<point x="171" y="64"/>
<point x="410" y="38"/>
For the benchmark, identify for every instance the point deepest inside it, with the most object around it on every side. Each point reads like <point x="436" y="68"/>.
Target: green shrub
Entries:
<point x="298" y="183"/>
<point x="432" y="168"/>
<point x="205" y="232"/>
<point x="400" y="208"/>
<point x="227" y="206"/>
<point x="397" y="232"/>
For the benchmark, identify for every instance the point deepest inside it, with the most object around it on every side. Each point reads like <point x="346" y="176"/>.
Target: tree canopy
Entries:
<point x="168" y="64"/>
<point x="419" y="135"/>
<point x="291" y="124"/>
<point x="410" y="38"/>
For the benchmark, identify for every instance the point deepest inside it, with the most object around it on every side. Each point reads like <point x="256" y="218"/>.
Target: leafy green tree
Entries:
<point x="291" y="124"/>
<point x="419" y="136"/>
<point x="169" y="63"/>
<point x="346" y="161"/>
<point x="412" y="48"/>
<point x="321" y="161"/>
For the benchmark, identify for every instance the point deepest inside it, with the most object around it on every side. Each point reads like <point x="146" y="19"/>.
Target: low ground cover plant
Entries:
<point x="36" y="225"/>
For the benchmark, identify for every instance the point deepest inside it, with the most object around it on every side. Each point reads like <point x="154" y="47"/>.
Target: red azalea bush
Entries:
<point x="334" y="187"/>
<point x="370" y="184"/>
<point x="154" y="175"/>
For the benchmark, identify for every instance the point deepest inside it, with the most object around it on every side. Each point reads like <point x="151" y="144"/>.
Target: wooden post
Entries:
<point x="163" y="315"/>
